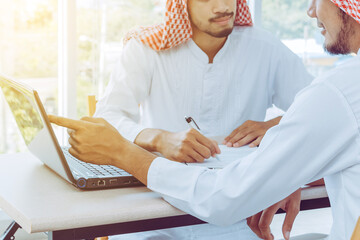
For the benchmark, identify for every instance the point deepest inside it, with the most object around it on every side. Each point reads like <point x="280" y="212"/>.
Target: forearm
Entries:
<point x="244" y="188"/>
<point x="135" y="160"/>
<point x="150" y="139"/>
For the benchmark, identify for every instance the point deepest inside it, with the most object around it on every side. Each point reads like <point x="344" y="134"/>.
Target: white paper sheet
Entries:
<point x="227" y="156"/>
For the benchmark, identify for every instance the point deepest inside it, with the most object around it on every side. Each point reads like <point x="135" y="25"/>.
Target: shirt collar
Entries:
<point x="199" y="54"/>
<point x="202" y="55"/>
<point x="222" y="51"/>
<point x="358" y="53"/>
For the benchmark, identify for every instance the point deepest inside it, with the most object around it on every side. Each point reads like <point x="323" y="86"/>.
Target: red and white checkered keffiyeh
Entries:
<point x="351" y="7"/>
<point x="177" y="28"/>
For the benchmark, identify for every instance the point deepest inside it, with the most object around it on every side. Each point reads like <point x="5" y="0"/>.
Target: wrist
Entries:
<point x="134" y="160"/>
<point x="150" y="139"/>
<point x="119" y="156"/>
<point x="158" y="140"/>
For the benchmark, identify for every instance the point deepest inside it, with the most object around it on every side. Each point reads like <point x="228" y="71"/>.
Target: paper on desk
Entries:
<point x="227" y="156"/>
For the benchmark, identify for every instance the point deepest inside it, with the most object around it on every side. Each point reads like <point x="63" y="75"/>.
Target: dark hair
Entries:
<point x="342" y="44"/>
<point x="344" y="16"/>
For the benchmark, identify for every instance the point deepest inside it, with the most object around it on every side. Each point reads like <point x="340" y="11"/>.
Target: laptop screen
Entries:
<point x="23" y="106"/>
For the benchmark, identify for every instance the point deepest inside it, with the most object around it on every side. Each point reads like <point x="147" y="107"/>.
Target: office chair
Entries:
<point x="91" y="105"/>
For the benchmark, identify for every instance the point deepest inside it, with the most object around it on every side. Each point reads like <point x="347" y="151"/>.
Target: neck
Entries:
<point x="357" y="43"/>
<point x="355" y="40"/>
<point x="209" y="44"/>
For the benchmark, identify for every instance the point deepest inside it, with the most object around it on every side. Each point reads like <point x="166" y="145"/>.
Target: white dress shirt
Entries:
<point x="251" y="72"/>
<point x="317" y="137"/>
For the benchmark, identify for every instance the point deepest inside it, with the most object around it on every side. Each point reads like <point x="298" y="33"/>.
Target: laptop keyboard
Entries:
<point x="98" y="170"/>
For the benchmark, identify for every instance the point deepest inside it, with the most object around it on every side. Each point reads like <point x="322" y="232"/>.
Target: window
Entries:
<point x="289" y="21"/>
<point x="42" y="41"/>
<point x="28" y="52"/>
<point x="101" y="25"/>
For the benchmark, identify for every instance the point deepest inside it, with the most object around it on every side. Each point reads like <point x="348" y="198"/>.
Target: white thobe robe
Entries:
<point x="317" y="137"/>
<point x="250" y="73"/>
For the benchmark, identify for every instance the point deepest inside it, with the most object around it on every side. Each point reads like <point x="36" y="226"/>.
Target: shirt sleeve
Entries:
<point x="315" y="138"/>
<point x="129" y="85"/>
<point x="289" y="76"/>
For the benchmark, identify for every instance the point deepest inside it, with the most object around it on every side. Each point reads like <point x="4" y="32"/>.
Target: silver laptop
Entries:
<point x="40" y="139"/>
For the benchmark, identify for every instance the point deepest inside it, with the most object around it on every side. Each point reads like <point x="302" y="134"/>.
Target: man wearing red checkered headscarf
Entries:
<point x="177" y="27"/>
<point x="350" y="7"/>
<point x="339" y="30"/>
<point x="207" y="61"/>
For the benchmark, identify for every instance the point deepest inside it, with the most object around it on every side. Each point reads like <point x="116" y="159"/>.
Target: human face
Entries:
<point x="213" y="17"/>
<point x="335" y="25"/>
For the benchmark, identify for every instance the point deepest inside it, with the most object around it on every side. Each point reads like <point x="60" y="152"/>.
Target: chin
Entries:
<point x="337" y="48"/>
<point x="223" y="33"/>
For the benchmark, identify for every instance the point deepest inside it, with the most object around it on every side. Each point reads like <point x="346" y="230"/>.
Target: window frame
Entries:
<point x="255" y="10"/>
<point x="67" y="62"/>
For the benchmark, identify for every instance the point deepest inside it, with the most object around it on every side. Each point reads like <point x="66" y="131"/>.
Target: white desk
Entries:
<point x="41" y="201"/>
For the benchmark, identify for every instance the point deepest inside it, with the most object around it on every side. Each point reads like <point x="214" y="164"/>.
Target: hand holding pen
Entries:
<point x="194" y="125"/>
<point x="188" y="146"/>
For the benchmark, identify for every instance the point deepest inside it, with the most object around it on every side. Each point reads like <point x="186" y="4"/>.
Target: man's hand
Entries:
<point x="186" y="146"/>
<point x="94" y="140"/>
<point x="260" y="223"/>
<point x="251" y="132"/>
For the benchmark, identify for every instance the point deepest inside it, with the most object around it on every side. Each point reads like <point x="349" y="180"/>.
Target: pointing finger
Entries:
<point x="66" y="122"/>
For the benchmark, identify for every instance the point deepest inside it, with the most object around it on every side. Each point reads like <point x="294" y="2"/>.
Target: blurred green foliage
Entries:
<point x="32" y="33"/>
<point x="22" y="105"/>
<point x="287" y="18"/>
<point x="34" y="39"/>
<point x="99" y="26"/>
